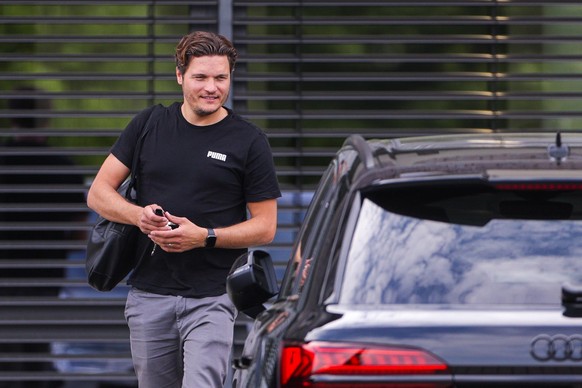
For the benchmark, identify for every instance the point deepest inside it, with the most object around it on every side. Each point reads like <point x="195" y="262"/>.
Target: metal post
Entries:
<point x="225" y="28"/>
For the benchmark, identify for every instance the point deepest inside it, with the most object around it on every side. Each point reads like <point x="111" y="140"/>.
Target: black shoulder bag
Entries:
<point x="112" y="246"/>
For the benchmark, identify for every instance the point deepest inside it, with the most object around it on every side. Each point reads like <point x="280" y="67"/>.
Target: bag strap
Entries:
<point x="152" y="119"/>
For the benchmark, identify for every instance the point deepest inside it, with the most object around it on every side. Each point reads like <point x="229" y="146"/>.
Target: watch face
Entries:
<point x="211" y="239"/>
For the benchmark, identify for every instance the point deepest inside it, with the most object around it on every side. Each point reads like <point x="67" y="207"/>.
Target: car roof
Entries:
<point x="517" y="154"/>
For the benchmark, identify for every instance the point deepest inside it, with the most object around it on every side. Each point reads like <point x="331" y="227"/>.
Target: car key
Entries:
<point x="160" y="212"/>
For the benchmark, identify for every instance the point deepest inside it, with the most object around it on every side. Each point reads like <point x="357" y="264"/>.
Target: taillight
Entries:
<point x="548" y="186"/>
<point x="323" y="364"/>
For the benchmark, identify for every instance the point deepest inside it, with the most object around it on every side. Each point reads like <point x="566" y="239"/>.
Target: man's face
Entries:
<point x="205" y="84"/>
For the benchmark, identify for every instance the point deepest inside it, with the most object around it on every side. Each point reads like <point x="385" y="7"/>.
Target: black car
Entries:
<point x="445" y="261"/>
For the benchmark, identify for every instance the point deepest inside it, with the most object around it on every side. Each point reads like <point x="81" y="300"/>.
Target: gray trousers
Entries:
<point x="180" y="342"/>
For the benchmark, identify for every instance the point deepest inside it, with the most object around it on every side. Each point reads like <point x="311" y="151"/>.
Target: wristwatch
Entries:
<point x="211" y="239"/>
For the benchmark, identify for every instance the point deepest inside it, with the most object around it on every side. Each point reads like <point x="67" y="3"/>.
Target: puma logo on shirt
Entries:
<point x="216" y="155"/>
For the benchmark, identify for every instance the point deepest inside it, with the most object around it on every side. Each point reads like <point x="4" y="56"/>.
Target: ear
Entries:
<point x="179" y="77"/>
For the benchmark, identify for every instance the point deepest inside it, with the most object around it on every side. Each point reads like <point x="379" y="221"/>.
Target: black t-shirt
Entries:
<point x="207" y="174"/>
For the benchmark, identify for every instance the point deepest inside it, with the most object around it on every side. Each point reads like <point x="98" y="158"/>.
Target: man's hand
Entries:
<point x="185" y="237"/>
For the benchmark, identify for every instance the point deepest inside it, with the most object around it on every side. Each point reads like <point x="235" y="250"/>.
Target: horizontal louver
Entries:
<point x="320" y="70"/>
<point x="310" y="73"/>
<point x="94" y="64"/>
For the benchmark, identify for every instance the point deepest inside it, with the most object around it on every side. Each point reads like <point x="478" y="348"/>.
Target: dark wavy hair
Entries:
<point x="200" y="44"/>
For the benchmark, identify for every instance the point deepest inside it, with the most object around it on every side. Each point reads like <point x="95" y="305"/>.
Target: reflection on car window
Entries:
<point x="300" y="264"/>
<point x="397" y="259"/>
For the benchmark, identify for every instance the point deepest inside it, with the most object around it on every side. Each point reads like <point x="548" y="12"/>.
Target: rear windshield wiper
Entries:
<point x="572" y="300"/>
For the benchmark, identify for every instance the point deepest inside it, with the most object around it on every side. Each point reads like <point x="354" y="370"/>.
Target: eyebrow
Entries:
<point x="206" y="75"/>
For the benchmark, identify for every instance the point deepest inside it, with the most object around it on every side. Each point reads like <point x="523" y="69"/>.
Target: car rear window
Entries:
<point x="464" y="244"/>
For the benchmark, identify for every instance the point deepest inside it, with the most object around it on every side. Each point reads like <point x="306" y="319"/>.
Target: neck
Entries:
<point x="203" y="120"/>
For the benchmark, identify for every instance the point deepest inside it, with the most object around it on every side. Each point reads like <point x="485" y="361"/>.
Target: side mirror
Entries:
<point x="251" y="282"/>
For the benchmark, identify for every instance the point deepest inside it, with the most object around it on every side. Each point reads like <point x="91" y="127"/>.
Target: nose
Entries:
<point x="210" y="85"/>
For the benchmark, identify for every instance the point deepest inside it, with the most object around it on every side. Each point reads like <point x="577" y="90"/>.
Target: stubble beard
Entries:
<point x="202" y="112"/>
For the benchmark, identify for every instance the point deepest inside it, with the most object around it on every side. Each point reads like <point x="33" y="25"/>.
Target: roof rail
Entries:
<point x="363" y="149"/>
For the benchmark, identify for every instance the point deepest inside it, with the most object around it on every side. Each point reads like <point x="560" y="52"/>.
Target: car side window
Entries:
<point x="302" y="259"/>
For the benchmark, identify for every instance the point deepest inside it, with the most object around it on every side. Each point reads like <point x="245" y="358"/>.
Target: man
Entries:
<point x="205" y="167"/>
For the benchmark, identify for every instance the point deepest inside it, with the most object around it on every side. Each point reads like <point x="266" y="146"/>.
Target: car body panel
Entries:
<point x="491" y="338"/>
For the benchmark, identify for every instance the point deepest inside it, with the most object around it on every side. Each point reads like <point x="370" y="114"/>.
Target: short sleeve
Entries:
<point x="124" y="147"/>
<point x="261" y="179"/>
